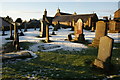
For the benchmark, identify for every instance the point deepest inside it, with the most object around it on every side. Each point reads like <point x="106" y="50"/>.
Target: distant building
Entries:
<point x="114" y="25"/>
<point x="66" y="19"/>
<point x="117" y="15"/>
<point x="4" y="23"/>
<point x="59" y="13"/>
<point x="33" y="23"/>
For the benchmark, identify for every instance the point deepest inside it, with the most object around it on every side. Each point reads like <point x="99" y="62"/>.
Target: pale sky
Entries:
<point x="29" y="10"/>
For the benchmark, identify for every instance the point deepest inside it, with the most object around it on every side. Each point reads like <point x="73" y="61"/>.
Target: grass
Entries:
<point x="25" y="45"/>
<point x="60" y="65"/>
<point x="8" y="47"/>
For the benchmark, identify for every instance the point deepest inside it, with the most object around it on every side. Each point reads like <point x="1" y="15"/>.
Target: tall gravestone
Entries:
<point x="11" y="36"/>
<point x="104" y="53"/>
<point x="3" y="30"/>
<point x="16" y="37"/>
<point x="43" y="29"/>
<point x="43" y="25"/>
<point x="79" y="36"/>
<point x="101" y="30"/>
<point x="25" y="28"/>
<point x="73" y="25"/>
<point x="47" y="33"/>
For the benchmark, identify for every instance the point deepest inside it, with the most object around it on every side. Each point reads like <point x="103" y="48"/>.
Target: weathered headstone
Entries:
<point x="43" y="29"/>
<point x="3" y="30"/>
<point x="21" y="34"/>
<point x="57" y="26"/>
<point x="69" y="37"/>
<point x="53" y="33"/>
<point x="73" y="25"/>
<point x="92" y="29"/>
<point x="101" y="30"/>
<point x="16" y="37"/>
<point x="104" y="53"/>
<point x="25" y="29"/>
<point x="79" y="36"/>
<point x="11" y="36"/>
<point x="47" y="33"/>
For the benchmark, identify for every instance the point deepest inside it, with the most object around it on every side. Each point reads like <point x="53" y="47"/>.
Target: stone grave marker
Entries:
<point x="104" y="53"/>
<point x="3" y="30"/>
<point x="11" y="36"/>
<point x="16" y="37"/>
<point x="43" y="29"/>
<point x="25" y="28"/>
<point x="69" y="37"/>
<point x="79" y="36"/>
<point x="101" y="30"/>
<point x="47" y="33"/>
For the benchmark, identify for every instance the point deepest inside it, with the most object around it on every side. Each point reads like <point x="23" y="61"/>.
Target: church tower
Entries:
<point x="58" y="10"/>
<point x="74" y="13"/>
<point x="45" y="12"/>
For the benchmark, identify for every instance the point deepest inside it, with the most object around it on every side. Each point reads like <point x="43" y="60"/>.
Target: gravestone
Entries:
<point x="73" y="25"/>
<point x="104" y="53"/>
<point x="25" y="29"/>
<point x="16" y="37"/>
<point x="11" y="36"/>
<point x="57" y="26"/>
<point x="3" y="30"/>
<point x="93" y="27"/>
<point x="79" y="36"/>
<point x="47" y="33"/>
<point x="43" y="29"/>
<point x="53" y="33"/>
<point x="69" y="37"/>
<point x="101" y="30"/>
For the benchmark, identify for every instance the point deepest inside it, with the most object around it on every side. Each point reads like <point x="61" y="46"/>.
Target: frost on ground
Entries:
<point x="58" y="40"/>
<point x="18" y="54"/>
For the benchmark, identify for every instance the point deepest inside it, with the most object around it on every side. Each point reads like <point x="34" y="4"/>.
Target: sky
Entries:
<point x="34" y="10"/>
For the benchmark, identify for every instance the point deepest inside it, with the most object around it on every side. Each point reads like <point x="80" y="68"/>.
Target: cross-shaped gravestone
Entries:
<point x="104" y="53"/>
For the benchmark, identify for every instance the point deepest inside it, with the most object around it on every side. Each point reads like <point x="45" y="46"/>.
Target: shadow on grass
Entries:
<point x="8" y="47"/>
<point x="62" y="65"/>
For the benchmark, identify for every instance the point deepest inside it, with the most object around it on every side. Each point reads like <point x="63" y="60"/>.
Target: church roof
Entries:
<point x="69" y="18"/>
<point x="61" y="13"/>
<point x="4" y="22"/>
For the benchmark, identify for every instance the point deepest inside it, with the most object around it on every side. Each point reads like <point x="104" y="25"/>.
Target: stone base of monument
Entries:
<point x="47" y="41"/>
<point x="42" y="34"/>
<point x="81" y="38"/>
<point x="102" y="65"/>
<point x="95" y="43"/>
<point x="25" y="30"/>
<point x="113" y="31"/>
<point x="98" y="63"/>
<point x="69" y="37"/>
<point x="21" y="34"/>
<point x="11" y="38"/>
<point x="4" y="34"/>
<point x="53" y="33"/>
